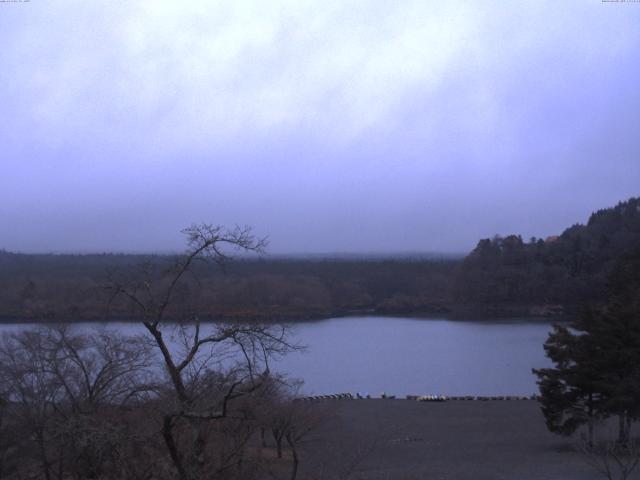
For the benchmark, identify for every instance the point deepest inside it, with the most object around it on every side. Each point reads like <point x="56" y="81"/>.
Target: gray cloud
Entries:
<point x="367" y="126"/>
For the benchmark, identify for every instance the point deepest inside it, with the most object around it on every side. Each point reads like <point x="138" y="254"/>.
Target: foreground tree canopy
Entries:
<point x="597" y="360"/>
<point x="184" y="401"/>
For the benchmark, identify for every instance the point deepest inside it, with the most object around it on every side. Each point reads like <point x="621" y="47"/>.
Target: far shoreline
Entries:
<point x="469" y="316"/>
<point x="463" y="313"/>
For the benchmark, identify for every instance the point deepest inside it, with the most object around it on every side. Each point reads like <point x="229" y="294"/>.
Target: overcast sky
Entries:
<point x="333" y="126"/>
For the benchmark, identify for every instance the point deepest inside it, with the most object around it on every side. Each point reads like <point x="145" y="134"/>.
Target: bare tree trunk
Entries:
<point x="199" y="445"/>
<point x="167" y="433"/>
<point x="294" y="455"/>
<point x="60" y="463"/>
<point x="591" y="420"/>
<point x="263" y="440"/>
<point x="277" y="436"/>
<point x="174" y="373"/>
<point x="43" y="454"/>
<point x="623" y="436"/>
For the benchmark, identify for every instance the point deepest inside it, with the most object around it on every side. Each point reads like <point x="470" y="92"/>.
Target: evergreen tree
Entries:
<point x="597" y="360"/>
<point x="569" y="393"/>
<point x="619" y="329"/>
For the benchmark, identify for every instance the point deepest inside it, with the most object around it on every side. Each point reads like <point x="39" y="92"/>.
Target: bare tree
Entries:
<point x="208" y="367"/>
<point x="102" y="367"/>
<point x="60" y="385"/>
<point x="289" y="420"/>
<point x="611" y="459"/>
<point x="304" y="419"/>
<point x="32" y="393"/>
<point x="95" y="404"/>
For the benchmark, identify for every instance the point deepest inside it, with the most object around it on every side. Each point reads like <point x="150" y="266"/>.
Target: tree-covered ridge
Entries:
<point x="565" y="270"/>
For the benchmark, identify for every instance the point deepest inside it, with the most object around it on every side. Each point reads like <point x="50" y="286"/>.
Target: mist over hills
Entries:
<point x="501" y="276"/>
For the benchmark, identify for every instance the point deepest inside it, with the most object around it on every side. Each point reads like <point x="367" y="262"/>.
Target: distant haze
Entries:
<point x="329" y="126"/>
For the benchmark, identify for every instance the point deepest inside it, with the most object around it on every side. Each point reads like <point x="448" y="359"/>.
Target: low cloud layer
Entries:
<point x="347" y="126"/>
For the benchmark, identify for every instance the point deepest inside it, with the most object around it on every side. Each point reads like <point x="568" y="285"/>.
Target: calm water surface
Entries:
<point x="413" y="356"/>
<point x="402" y="356"/>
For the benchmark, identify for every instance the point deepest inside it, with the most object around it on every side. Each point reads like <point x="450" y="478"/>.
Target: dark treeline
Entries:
<point x="501" y="276"/>
<point x="563" y="271"/>
<point x="69" y="286"/>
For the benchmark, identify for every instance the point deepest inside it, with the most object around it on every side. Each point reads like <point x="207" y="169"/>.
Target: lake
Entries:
<point x="403" y="356"/>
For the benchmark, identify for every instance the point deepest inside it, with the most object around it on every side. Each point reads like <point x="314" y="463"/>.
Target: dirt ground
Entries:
<point x="461" y="440"/>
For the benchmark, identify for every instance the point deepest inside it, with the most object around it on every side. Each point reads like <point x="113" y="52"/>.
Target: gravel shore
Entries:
<point x="474" y="440"/>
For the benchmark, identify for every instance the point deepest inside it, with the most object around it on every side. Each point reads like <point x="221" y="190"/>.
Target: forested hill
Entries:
<point x="570" y="269"/>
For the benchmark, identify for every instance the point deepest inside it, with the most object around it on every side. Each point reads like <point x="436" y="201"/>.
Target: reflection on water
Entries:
<point x="410" y="356"/>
